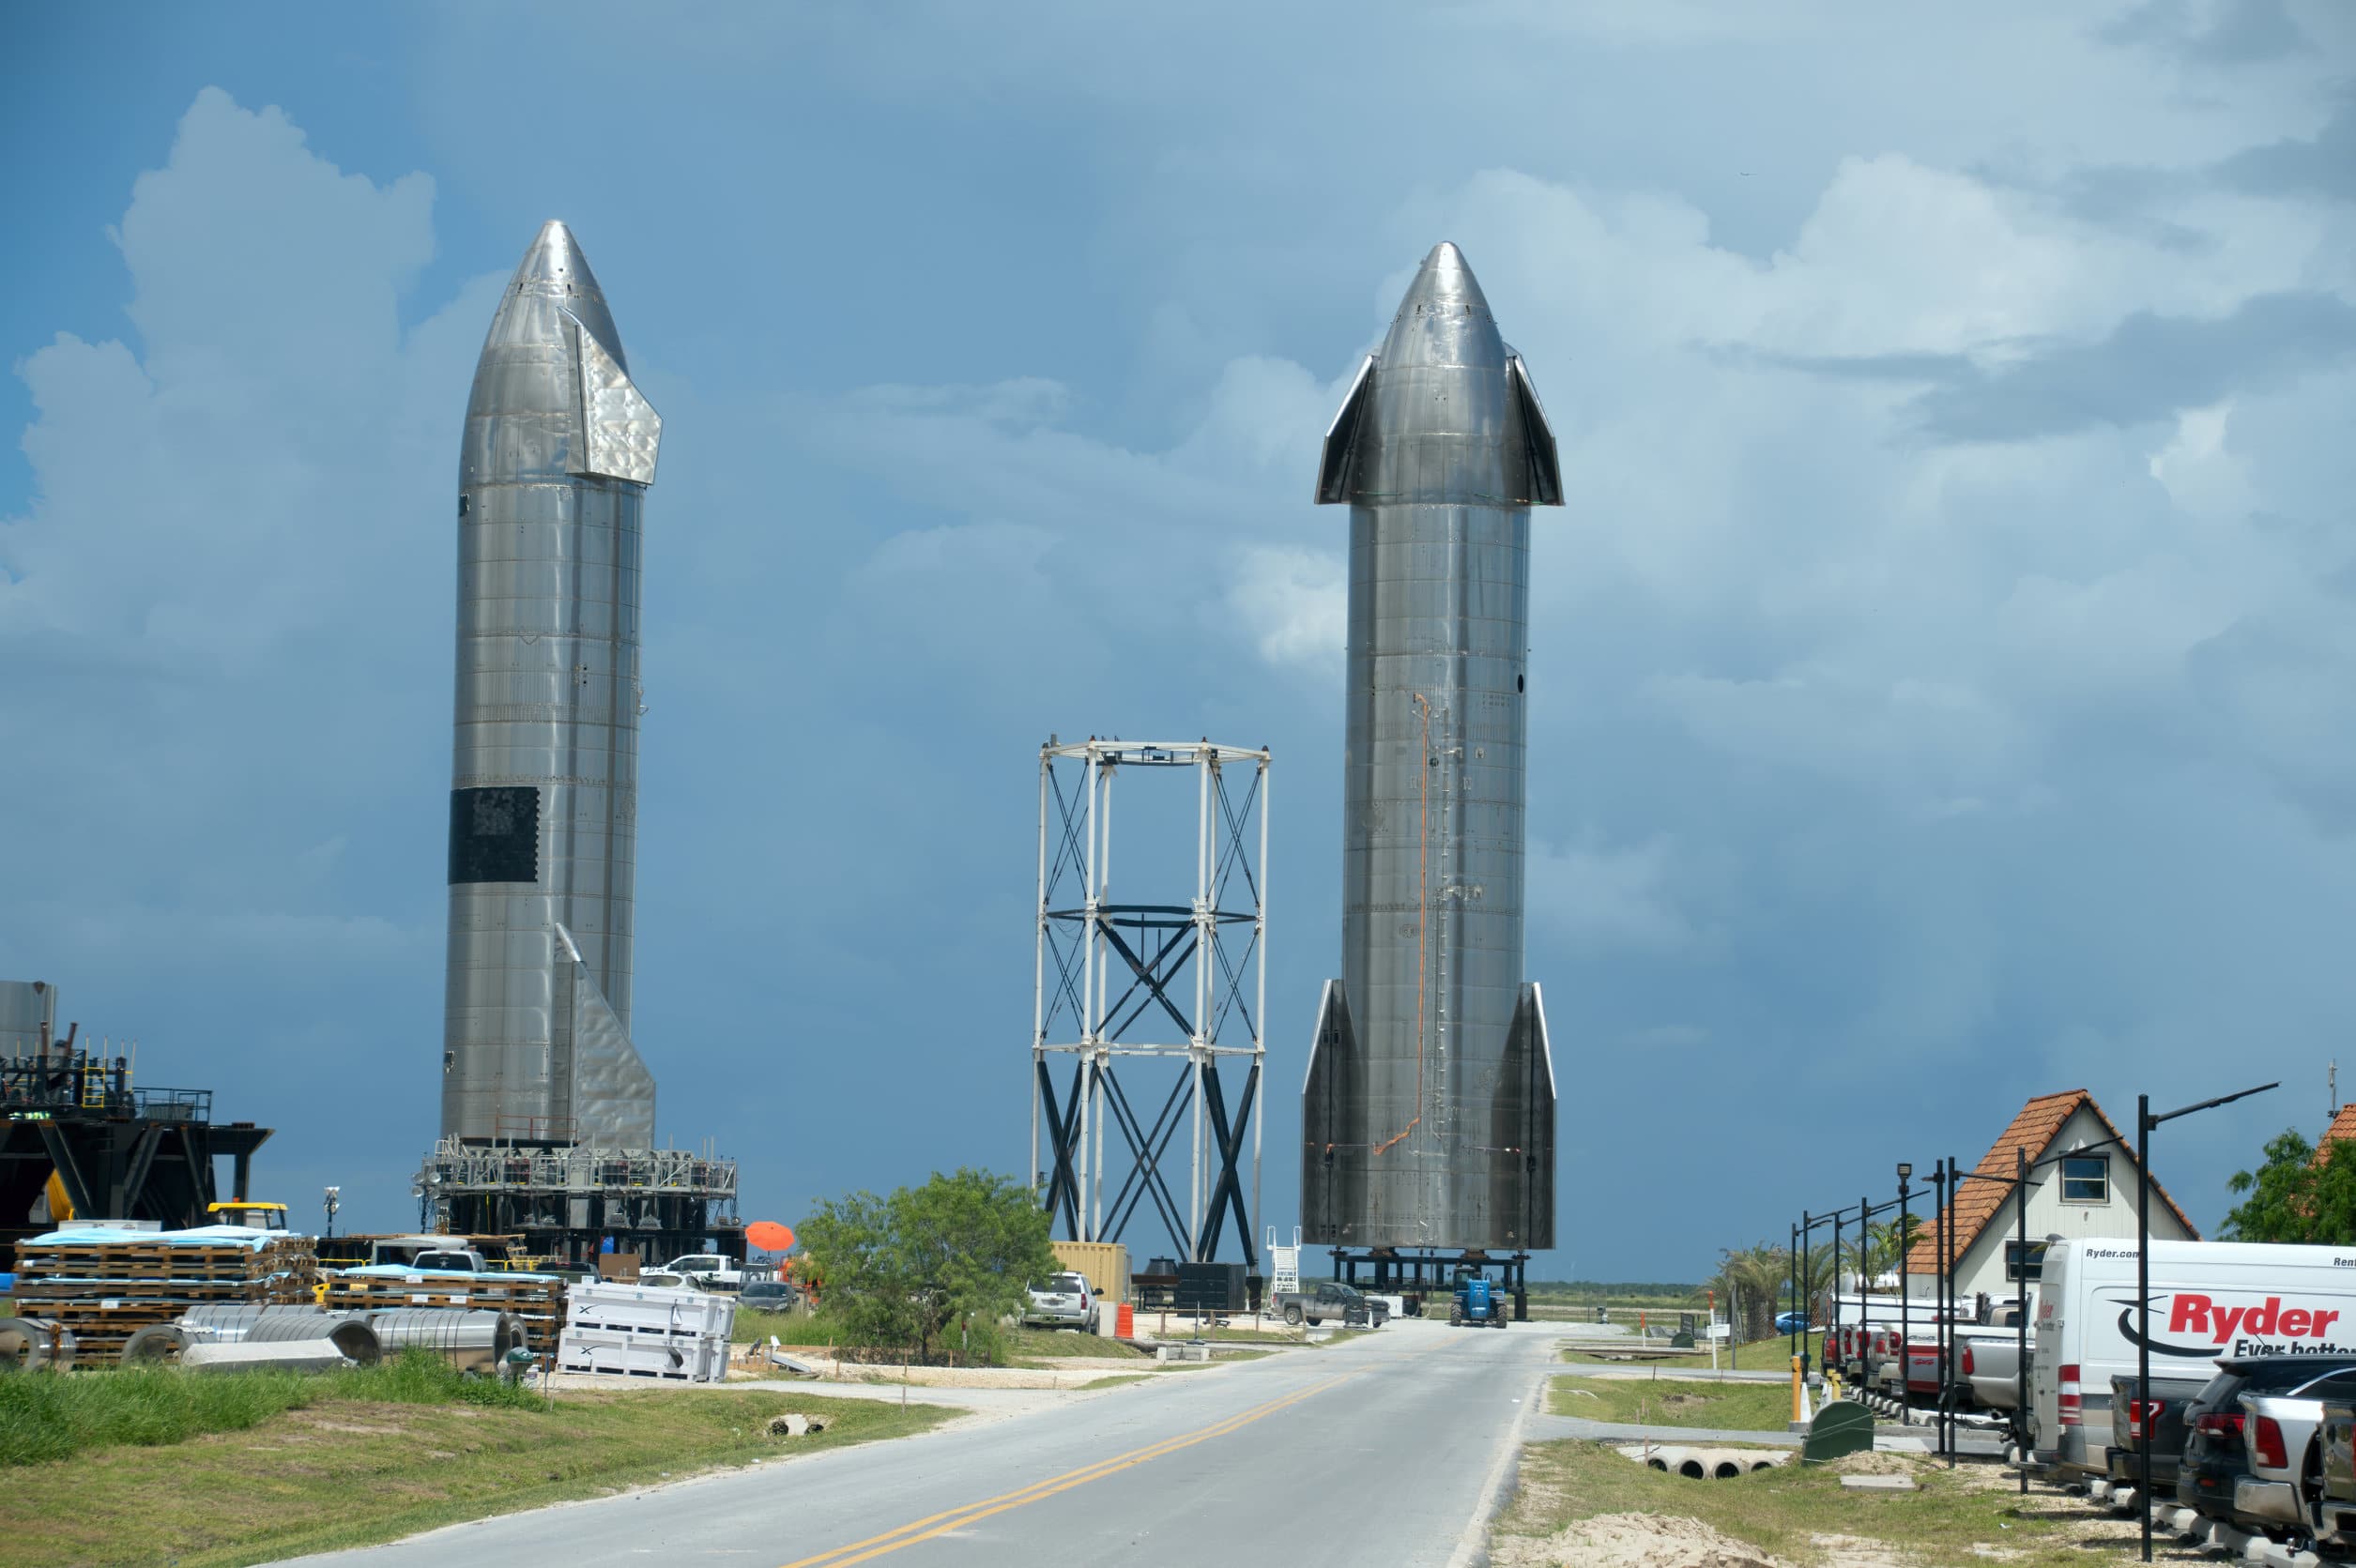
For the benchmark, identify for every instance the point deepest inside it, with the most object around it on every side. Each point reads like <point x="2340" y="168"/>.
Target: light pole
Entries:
<point x="1906" y="1175"/>
<point x="2145" y="1122"/>
<point x="1806" y="1269"/>
<point x="1791" y="1258"/>
<point x="2020" y="1309"/>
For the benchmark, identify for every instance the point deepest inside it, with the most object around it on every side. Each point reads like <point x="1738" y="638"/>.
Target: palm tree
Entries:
<point x="1752" y="1279"/>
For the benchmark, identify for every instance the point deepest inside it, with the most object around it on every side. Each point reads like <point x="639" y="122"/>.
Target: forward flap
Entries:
<point x="621" y="432"/>
<point x="1342" y="438"/>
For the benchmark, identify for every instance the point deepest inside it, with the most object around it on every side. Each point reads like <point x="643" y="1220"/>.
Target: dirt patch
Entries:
<point x="1873" y="1462"/>
<point x="1636" y="1541"/>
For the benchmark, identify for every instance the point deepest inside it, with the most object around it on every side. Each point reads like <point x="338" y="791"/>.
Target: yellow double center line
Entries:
<point x="958" y="1518"/>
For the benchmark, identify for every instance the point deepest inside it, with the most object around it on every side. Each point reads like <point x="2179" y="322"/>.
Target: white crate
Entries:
<point x="643" y="1308"/>
<point x="632" y="1356"/>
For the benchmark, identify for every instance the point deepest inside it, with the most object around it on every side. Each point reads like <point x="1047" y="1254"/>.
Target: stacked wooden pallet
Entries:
<point x="105" y="1286"/>
<point x="536" y="1300"/>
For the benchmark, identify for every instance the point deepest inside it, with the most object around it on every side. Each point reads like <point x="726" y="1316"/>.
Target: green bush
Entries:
<point x="927" y="1266"/>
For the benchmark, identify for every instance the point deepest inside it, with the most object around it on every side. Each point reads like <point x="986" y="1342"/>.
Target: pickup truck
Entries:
<point x="2171" y="1397"/>
<point x="1330" y="1298"/>
<point x="2279" y="1429"/>
<point x="456" y="1261"/>
<point x="2335" y="1512"/>
<point x="708" y="1270"/>
<point x="1991" y="1369"/>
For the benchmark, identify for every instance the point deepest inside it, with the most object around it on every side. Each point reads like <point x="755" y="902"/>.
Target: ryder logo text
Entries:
<point x="2201" y="1315"/>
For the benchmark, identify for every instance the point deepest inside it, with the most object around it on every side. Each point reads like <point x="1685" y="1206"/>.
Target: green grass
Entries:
<point x="755" y="1327"/>
<point x="1775" y="1351"/>
<point x="1063" y="1344"/>
<point x="352" y="1471"/>
<point x="45" y="1418"/>
<point x="1759" y="1355"/>
<point x="1791" y="1511"/>
<point x="1117" y="1379"/>
<point x="1670" y="1401"/>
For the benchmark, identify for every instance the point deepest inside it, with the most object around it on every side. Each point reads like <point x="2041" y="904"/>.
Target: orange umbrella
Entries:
<point x="770" y="1236"/>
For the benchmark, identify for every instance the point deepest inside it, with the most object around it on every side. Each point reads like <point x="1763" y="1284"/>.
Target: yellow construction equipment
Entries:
<point x="253" y="1216"/>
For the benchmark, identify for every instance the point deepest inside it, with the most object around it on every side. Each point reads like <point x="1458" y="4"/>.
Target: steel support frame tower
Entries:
<point x="1123" y="989"/>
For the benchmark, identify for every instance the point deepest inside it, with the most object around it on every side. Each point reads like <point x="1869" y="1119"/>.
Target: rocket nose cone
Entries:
<point x="1445" y="279"/>
<point x="1445" y="318"/>
<point x="555" y="257"/>
<point x="554" y="272"/>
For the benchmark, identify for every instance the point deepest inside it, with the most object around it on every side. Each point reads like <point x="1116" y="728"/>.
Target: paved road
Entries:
<point x="1385" y="1449"/>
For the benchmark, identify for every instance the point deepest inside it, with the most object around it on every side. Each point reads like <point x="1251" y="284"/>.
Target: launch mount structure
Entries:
<point x="1126" y="990"/>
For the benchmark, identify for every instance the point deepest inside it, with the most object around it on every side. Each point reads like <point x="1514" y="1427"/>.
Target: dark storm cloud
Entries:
<point x="2149" y="368"/>
<point x="2325" y="166"/>
<point x="2243" y="32"/>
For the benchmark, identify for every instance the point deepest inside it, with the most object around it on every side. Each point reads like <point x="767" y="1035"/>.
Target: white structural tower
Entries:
<point x="1164" y="977"/>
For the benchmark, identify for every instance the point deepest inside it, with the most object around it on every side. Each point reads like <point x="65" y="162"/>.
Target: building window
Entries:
<point x="2012" y="1269"/>
<point x="2085" y="1180"/>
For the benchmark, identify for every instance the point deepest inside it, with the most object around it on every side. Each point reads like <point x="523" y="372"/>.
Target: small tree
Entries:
<point x="2298" y="1193"/>
<point x="904" y="1270"/>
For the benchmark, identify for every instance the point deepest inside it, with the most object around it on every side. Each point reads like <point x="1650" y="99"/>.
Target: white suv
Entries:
<point x="1064" y="1302"/>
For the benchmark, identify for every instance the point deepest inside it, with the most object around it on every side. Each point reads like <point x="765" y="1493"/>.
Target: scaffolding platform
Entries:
<point x="566" y="1203"/>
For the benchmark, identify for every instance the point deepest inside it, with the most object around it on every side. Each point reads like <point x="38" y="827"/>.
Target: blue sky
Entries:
<point x="1943" y="672"/>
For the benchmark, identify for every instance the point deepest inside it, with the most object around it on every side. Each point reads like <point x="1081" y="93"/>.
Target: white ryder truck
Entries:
<point x="2208" y="1299"/>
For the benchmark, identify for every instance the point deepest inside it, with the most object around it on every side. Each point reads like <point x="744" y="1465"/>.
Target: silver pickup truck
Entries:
<point x="1330" y="1300"/>
<point x="1991" y="1366"/>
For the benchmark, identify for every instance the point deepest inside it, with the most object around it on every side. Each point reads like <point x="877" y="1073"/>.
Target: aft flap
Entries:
<point x="1342" y="438"/>
<point x="1546" y="472"/>
<point x="613" y="1093"/>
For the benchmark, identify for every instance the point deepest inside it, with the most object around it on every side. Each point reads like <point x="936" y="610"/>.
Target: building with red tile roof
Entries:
<point x="2081" y="1183"/>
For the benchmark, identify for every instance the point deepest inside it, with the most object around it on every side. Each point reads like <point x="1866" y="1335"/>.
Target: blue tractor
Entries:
<point x="1477" y="1302"/>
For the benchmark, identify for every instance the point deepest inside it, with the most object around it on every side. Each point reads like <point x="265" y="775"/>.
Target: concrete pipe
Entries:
<point x="292" y="1355"/>
<point x="1762" y="1465"/>
<point x="1657" y="1463"/>
<point x="1727" y="1469"/>
<point x="1691" y="1469"/>
<point x="472" y="1341"/>
<point x="157" y="1343"/>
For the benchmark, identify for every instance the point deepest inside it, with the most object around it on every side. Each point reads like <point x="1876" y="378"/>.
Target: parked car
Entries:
<point x="1330" y="1300"/>
<point x="1792" y="1323"/>
<point x="1064" y="1302"/>
<point x="663" y="1279"/>
<point x="2216" y="1452"/>
<point x="769" y="1295"/>
<point x="708" y="1270"/>
<point x="2170" y="1398"/>
<point x="2279" y="1429"/>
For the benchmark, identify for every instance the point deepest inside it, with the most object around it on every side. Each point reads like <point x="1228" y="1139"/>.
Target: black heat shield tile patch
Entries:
<point x="494" y="834"/>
